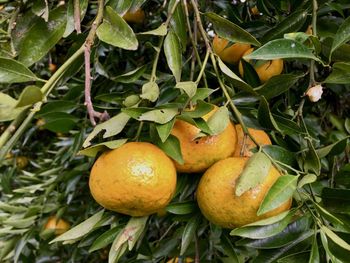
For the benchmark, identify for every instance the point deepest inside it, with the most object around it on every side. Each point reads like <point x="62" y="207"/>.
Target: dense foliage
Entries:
<point x="143" y="75"/>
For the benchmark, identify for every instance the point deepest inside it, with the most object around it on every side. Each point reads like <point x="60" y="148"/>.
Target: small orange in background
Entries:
<point x="137" y="16"/>
<point x="136" y="179"/>
<point x="255" y="11"/>
<point x="200" y="153"/>
<point x="217" y="199"/>
<point x="230" y="54"/>
<point x="22" y="162"/>
<point x="52" y="67"/>
<point x="245" y="144"/>
<point x="265" y="70"/>
<point x="60" y="226"/>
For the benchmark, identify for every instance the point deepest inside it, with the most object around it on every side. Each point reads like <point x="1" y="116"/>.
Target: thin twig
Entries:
<point x="87" y="52"/>
<point x="77" y="19"/>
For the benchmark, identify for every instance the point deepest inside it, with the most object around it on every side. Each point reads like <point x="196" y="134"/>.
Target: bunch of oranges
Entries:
<point x="138" y="178"/>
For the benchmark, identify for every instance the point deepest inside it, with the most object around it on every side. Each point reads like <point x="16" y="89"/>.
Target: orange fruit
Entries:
<point x="176" y="260"/>
<point x="60" y="226"/>
<point x="200" y="153"/>
<point x="255" y="11"/>
<point x="136" y="179"/>
<point x="52" y="67"/>
<point x="217" y="199"/>
<point x="230" y="54"/>
<point x="266" y="70"/>
<point x="309" y="30"/>
<point x="22" y="162"/>
<point x="246" y="144"/>
<point x="137" y="16"/>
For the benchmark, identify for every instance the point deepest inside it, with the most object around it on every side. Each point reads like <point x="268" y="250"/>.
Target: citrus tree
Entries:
<point x="174" y="131"/>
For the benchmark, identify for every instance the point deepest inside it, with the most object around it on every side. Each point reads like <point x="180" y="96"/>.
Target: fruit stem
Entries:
<point x="161" y="40"/>
<point x="203" y="67"/>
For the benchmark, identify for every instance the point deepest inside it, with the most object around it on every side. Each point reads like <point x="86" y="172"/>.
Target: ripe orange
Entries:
<point x="60" y="226"/>
<point x="137" y="17"/>
<point x="199" y="154"/>
<point x="218" y="202"/>
<point x="246" y="144"/>
<point x="52" y="67"/>
<point x="22" y="162"/>
<point x="230" y="54"/>
<point x="266" y="70"/>
<point x="137" y="179"/>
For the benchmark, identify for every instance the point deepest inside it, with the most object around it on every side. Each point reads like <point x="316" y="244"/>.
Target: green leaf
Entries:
<point x="340" y="74"/>
<point x="178" y="23"/>
<point x="80" y="230"/>
<point x="254" y="173"/>
<point x="150" y="91"/>
<point x="19" y="222"/>
<point x="29" y="96"/>
<point x="159" y="31"/>
<point x="202" y="94"/>
<point x="336" y="200"/>
<point x="342" y="36"/>
<point x="189" y="233"/>
<point x="314" y="254"/>
<point x="292" y="23"/>
<point x="335" y="238"/>
<point x="287" y="126"/>
<point x="181" y="208"/>
<point x="165" y="129"/>
<point x="307" y="179"/>
<point x="279" y="193"/>
<point x="172" y="148"/>
<point x="288" y="235"/>
<point x="312" y="161"/>
<point x="189" y="87"/>
<point x="234" y="78"/>
<point x="333" y="149"/>
<point x="202" y="108"/>
<point x="160" y="116"/>
<point x="112" y="127"/>
<point x="277" y="85"/>
<point x="172" y="50"/>
<point x="280" y="154"/>
<point x="131" y="76"/>
<point x="93" y="150"/>
<point x="105" y="239"/>
<point x="282" y="48"/>
<point x="259" y="232"/>
<point x="57" y="106"/>
<point x="12" y="71"/>
<point x="272" y="219"/>
<point x="219" y="120"/>
<point x="32" y="46"/>
<point x="131" y="232"/>
<point x="265" y="116"/>
<point x="116" y="32"/>
<point x="230" y="31"/>
<point x="7" y="108"/>
<point x="329" y="216"/>
<point x="59" y="121"/>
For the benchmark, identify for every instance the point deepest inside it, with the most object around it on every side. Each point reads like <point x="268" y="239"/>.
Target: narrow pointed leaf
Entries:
<point x="282" y="48"/>
<point x="115" y="31"/>
<point x="12" y="71"/>
<point x="342" y="36"/>
<point x="111" y="127"/>
<point x="279" y="193"/>
<point x="172" y="50"/>
<point x="81" y="229"/>
<point x="255" y="171"/>
<point x="230" y="31"/>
